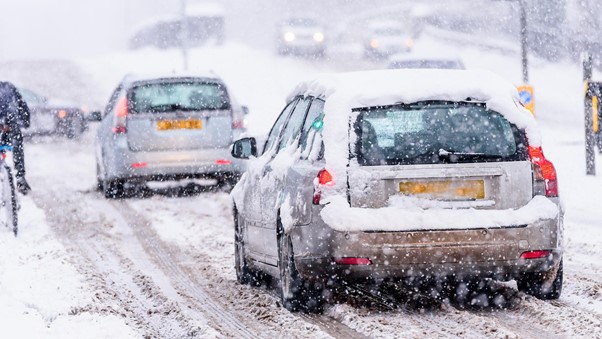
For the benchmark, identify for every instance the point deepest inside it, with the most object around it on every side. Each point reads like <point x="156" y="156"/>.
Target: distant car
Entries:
<point x="52" y="116"/>
<point x="407" y="61"/>
<point x="399" y="175"/>
<point x="385" y="38"/>
<point x="167" y="127"/>
<point x="301" y="36"/>
<point x="205" y="23"/>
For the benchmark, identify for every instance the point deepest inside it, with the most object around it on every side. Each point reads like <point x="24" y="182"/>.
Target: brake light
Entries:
<point x="223" y="162"/>
<point x="238" y="124"/>
<point x="535" y="254"/>
<point x="121" y="113"/>
<point x="138" y="165"/>
<point x="544" y="174"/>
<point x="324" y="179"/>
<point x="352" y="261"/>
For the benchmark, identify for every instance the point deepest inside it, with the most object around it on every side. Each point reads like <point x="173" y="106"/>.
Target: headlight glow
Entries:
<point x="289" y="36"/>
<point x="374" y="43"/>
<point x="318" y="37"/>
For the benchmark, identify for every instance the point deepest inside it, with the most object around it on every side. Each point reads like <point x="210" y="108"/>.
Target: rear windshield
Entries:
<point x="184" y="96"/>
<point x="436" y="132"/>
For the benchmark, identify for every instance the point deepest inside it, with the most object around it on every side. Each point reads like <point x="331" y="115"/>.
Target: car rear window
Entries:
<point x="184" y="96"/>
<point x="436" y="132"/>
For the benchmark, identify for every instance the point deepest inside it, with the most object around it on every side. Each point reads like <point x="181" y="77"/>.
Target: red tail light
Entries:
<point x="223" y="162"/>
<point x="138" y="165"/>
<point x="238" y="124"/>
<point x="535" y="254"/>
<point x="324" y="179"/>
<point x="121" y="113"/>
<point x="352" y="261"/>
<point x="544" y="174"/>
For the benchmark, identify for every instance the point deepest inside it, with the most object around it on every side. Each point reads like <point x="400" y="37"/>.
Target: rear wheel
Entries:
<point x="113" y="189"/>
<point x="542" y="285"/>
<point x="296" y="294"/>
<point x="8" y="205"/>
<point x="99" y="183"/>
<point x="76" y="127"/>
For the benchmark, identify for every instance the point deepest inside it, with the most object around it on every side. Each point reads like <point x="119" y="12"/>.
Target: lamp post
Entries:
<point x="523" y="41"/>
<point x="184" y="36"/>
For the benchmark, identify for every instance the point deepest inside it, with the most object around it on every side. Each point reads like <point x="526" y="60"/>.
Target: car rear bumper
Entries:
<point x="172" y="165"/>
<point x="486" y="252"/>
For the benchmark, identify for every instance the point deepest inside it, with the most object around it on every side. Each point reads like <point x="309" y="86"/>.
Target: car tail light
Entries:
<point x="223" y="162"/>
<point x="324" y="179"/>
<point x="544" y="174"/>
<point x="121" y="114"/>
<point x="238" y="124"/>
<point x="535" y="254"/>
<point x="352" y="261"/>
<point x="139" y="165"/>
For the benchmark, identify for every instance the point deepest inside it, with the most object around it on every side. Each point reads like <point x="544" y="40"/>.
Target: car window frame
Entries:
<point x="292" y="104"/>
<point x="309" y="101"/>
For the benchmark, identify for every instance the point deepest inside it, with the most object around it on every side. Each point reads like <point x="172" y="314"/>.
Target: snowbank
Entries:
<point x="340" y="217"/>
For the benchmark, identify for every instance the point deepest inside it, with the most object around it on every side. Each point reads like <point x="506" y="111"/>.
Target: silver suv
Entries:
<point x="167" y="128"/>
<point x="397" y="175"/>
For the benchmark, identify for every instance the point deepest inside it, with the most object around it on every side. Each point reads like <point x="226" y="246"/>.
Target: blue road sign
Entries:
<point x="525" y="97"/>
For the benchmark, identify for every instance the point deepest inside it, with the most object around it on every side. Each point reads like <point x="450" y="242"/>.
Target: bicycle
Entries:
<point x="8" y="196"/>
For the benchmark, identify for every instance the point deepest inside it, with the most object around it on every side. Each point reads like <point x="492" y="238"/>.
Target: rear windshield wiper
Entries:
<point x="452" y="156"/>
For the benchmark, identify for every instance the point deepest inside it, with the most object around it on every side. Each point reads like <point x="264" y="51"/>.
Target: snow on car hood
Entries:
<point x="401" y="217"/>
<point x="346" y="91"/>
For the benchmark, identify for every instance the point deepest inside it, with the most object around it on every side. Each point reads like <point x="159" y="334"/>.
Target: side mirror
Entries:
<point x="244" y="148"/>
<point x="244" y="109"/>
<point x="94" y="116"/>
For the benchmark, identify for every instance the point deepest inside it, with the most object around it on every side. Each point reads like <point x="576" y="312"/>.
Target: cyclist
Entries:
<point x="15" y="113"/>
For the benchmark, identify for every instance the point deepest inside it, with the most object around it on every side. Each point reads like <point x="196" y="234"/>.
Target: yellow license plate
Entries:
<point x="165" y="125"/>
<point x="456" y="189"/>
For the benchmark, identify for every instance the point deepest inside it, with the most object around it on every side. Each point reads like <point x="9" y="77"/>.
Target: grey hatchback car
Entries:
<point x="397" y="175"/>
<point x="167" y="127"/>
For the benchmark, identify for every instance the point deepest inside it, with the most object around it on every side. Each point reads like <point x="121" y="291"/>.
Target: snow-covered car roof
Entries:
<point x="345" y="91"/>
<point x="136" y="77"/>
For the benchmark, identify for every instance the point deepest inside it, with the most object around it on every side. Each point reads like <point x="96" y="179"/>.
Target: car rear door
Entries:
<point x="252" y="209"/>
<point x="275" y="176"/>
<point x="178" y="114"/>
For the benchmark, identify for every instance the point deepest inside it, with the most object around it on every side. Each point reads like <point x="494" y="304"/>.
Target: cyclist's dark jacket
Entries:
<point x="15" y="113"/>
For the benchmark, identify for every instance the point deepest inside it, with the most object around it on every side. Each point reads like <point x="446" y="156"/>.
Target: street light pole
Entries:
<point x="523" y="41"/>
<point x="184" y="36"/>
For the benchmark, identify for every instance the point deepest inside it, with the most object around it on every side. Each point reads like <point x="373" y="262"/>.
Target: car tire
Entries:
<point x="244" y="274"/>
<point x="113" y="189"/>
<point x="542" y="285"/>
<point x="99" y="183"/>
<point x="76" y="128"/>
<point x="296" y="294"/>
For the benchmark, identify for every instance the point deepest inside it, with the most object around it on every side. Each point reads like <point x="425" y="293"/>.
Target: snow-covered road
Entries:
<point x="161" y="266"/>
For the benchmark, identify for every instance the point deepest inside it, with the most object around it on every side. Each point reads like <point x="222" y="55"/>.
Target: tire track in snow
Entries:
<point x="113" y="276"/>
<point x="164" y="258"/>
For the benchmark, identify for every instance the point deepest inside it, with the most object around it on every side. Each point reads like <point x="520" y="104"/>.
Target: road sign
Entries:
<point x="525" y="93"/>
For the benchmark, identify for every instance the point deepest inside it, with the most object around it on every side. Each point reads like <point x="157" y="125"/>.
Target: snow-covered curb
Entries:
<point x="341" y="217"/>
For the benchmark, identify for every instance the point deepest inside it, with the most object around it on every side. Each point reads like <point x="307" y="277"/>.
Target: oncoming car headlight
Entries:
<point x="289" y="36"/>
<point x="318" y="37"/>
